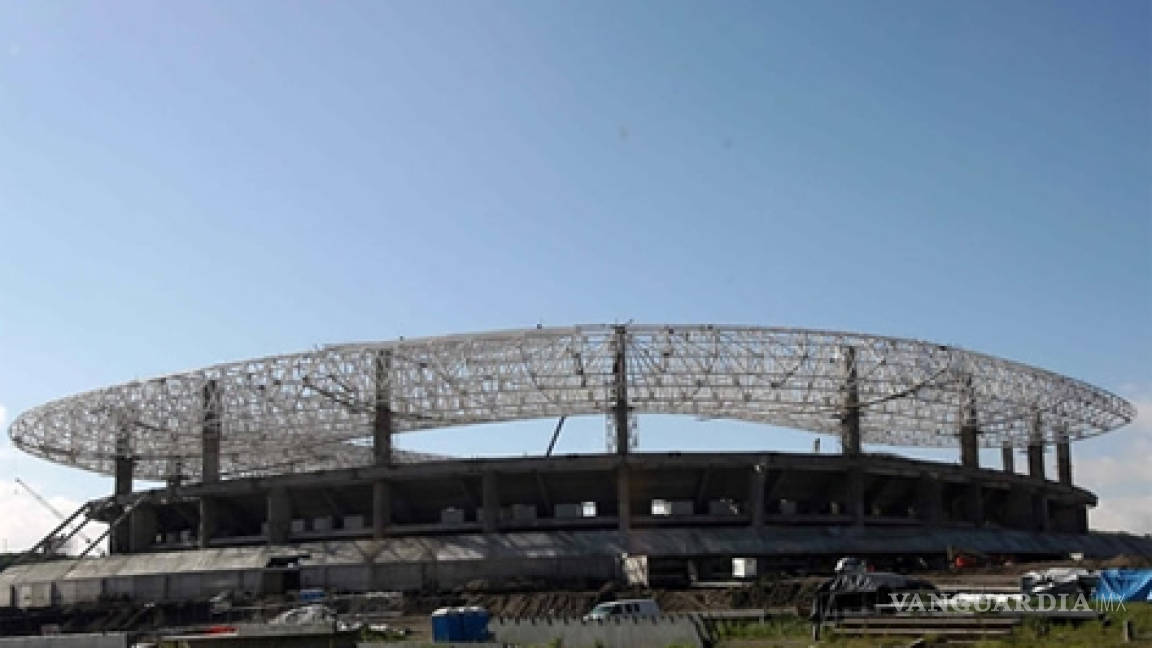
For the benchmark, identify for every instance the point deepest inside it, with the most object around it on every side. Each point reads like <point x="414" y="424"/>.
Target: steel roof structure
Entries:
<point x="316" y="410"/>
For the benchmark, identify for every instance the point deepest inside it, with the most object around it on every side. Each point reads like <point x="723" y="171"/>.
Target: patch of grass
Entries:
<point x="784" y="627"/>
<point x="1036" y="633"/>
<point x="1033" y="633"/>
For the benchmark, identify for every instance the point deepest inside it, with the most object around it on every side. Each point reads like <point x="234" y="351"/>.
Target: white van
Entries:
<point x="625" y="607"/>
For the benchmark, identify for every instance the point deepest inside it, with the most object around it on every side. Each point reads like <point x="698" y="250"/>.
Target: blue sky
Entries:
<point x="183" y="184"/>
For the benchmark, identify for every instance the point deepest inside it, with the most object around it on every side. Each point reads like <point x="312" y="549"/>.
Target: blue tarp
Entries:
<point x="1124" y="585"/>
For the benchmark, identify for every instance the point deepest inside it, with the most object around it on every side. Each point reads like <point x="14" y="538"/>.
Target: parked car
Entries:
<point x="625" y="607"/>
<point x="851" y="565"/>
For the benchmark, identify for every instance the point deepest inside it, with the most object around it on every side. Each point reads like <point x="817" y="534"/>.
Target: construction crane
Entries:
<point x="46" y="504"/>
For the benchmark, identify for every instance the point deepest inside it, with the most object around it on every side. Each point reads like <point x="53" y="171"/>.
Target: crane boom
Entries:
<point x="48" y="505"/>
<point x="43" y="502"/>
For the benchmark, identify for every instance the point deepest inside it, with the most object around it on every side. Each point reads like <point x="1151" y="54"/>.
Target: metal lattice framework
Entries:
<point x="316" y="410"/>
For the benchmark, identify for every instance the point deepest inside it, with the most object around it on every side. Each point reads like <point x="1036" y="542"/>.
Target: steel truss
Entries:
<point x="316" y="410"/>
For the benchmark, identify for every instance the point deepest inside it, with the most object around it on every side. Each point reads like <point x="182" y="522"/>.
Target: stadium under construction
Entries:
<point x="280" y="473"/>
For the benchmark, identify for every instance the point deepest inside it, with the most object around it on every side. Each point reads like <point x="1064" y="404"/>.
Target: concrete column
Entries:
<point x="124" y="464"/>
<point x="1008" y="458"/>
<point x="854" y="494"/>
<point x="1036" y="461"/>
<point x="381" y="508"/>
<point x="1040" y="517"/>
<point x="175" y="470"/>
<point x="969" y="431"/>
<point x="1020" y="511"/>
<point x="142" y="525"/>
<point x="1064" y="461"/>
<point x="279" y="516"/>
<point x="1036" y="449"/>
<point x="970" y="456"/>
<point x="624" y="498"/>
<point x="491" y="503"/>
<point x="207" y="521"/>
<point x="850" y="417"/>
<point x="123" y="479"/>
<point x="969" y="447"/>
<point x="757" y="484"/>
<point x="974" y="504"/>
<point x="210" y="433"/>
<point x="382" y="428"/>
<point x="620" y="410"/>
<point x="930" y="499"/>
<point x="120" y="538"/>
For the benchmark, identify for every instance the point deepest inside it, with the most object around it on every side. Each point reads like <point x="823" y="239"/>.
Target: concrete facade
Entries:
<point x="564" y="520"/>
<point x="575" y="492"/>
<point x="580" y="559"/>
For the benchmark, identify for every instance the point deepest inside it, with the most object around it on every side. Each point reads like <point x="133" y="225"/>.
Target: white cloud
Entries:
<point x="24" y="521"/>
<point x="1143" y="420"/>
<point x="1121" y="478"/>
<point x="3" y="415"/>
<point x="1132" y="514"/>
<point x="1127" y="462"/>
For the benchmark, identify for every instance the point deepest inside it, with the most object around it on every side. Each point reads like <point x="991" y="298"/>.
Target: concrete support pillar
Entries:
<point x="850" y="417"/>
<point x="381" y="508"/>
<point x="1008" y="458"/>
<point x="121" y="536"/>
<point x="854" y="494"/>
<point x="123" y="479"/>
<point x="969" y="430"/>
<point x="969" y="447"/>
<point x="1036" y="461"/>
<point x="382" y="428"/>
<point x="621" y="419"/>
<point x="207" y="521"/>
<point x="210" y="432"/>
<point x="757" y="485"/>
<point x="624" y="498"/>
<point x="1064" y="461"/>
<point x="1040" y="515"/>
<point x="1020" y="512"/>
<point x="974" y="504"/>
<point x="124" y="463"/>
<point x="279" y="516"/>
<point x="491" y="503"/>
<point x="970" y="456"/>
<point x="142" y="526"/>
<point x="175" y="473"/>
<point x="620" y="410"/>
<point x="930" y="499"/>
<point x="1036" y="449"/>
